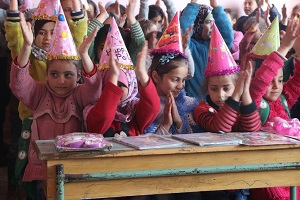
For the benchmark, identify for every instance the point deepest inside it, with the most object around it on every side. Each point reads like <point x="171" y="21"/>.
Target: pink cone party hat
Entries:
<point x="26" y="5"/>
<point x="47" y="9"/>
<point x="115" y="41"/>
<point x="171" y="40"/>
<point x="220" y="60"/>
<point x="62" y="43"/>
<point x="268" y="42"/>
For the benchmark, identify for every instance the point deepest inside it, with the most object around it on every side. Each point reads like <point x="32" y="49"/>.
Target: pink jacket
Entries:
<point x="52" y="114"/>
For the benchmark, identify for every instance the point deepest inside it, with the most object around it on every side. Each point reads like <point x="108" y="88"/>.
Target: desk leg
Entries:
<point x="293" y="193"/>
<point x="60" y="181"/>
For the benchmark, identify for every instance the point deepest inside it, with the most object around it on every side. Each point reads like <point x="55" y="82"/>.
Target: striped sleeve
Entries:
<point x="249" y="118"/>
<point x="211" y="120"/>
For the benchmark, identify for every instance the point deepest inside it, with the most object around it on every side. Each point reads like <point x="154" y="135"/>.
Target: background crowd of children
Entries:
<point x="78" y="66"/>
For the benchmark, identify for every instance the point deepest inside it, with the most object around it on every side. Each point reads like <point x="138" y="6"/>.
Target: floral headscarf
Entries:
<point x="126" y="108"/>
<point x="199" y="21"/>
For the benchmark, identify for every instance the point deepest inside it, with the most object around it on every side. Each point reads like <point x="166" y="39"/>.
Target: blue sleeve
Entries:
<point x="273" y="13"/>
<point x="188" y="16"/>
<point x="223" y="25"/>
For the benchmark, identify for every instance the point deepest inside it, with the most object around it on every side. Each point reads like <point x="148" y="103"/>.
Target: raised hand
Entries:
<point x="214" y="3"/>
<point x="103" y="13"/>
<point x="290" y="36"/>
<point x="246" y="97"/>
<point x="284" y="15"/>
<point x="239" y="87"/>
<point x="168" y="119"/>
<point x="266" y="16"/>
<point x="140" y="69"/>
<point x="114" y="69"/>
<point x="186" y="37"/>
<point x="130" y="12"/>
<point x="175" y="115"/>
<point x="83" y="51"/>
<point x="28" y="39"/>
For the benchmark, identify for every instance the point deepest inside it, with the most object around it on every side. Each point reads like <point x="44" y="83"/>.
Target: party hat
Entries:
<point x="26" y="5"/>
<point x="115" y="42"/>
<point x="170" y="41"/>
<point x="220" y="60"/>
<point x="62" y="43"/>
<point x="268" y="42"/>
<point x="47" y="9"/>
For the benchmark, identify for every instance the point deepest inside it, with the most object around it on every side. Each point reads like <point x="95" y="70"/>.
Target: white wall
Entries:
<point x="234" y="4"/>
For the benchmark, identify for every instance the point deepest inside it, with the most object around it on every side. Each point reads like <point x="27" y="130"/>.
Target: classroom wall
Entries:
<point x="233" y="4"/>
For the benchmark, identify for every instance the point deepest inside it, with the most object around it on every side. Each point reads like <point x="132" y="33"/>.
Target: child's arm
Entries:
<point x="87" y="63"/>
<point x="137" y="35"/>
<point x="249" y="118"/>
<point x="13" y="31"/>
<point x="189" y="15"/>
<point x="78" y="23"/>
<point x="171" y="10"/>
<point x="148" y="106"/>
<point x="23" y="57"/>
<point x="97" y="22"/>
<point x="211" y="120"/>
<point x="144" y="10"/>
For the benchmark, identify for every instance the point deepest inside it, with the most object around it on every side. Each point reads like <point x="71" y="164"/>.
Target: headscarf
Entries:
<point x="126" y="108"/>
<point x="199" y="21"/>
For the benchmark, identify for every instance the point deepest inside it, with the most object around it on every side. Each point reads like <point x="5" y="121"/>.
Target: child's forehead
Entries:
<point x="61" y="65"/>
<point x="221" y="80"/>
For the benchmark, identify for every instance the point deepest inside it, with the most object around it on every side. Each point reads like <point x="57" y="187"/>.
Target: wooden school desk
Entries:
<point x="124" y="171"/>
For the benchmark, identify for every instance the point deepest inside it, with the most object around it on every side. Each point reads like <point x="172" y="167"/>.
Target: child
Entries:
<point x="228" y="106"/>
<point x="203" y="17"/>
<point x="238" y="36"/>
<point x="57" y="105"/>
<point x="169" y="70"/>
<point x="118" y="110"/>
<point x="268" y="90"/>
<point x="250" y="9"/>
<point x="254" y="27"/>
<point x="133" y="39"/>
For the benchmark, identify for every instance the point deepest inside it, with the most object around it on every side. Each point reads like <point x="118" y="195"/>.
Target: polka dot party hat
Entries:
<point x="62" y="43"/>
<point x="268" y="42"/>
<point x="47" y="9"/>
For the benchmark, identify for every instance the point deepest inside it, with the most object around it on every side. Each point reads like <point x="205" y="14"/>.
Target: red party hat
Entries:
<point x="171" y="40"/>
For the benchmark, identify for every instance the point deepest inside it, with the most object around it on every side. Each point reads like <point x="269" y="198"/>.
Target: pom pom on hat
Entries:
<point x="171" y="40"/>
<point x="220" y="60"/>
<point x="62" y="43"/>
<point x="115" y="41"/>
<point x="47" y="9"/>
<point x="268" y="42"/>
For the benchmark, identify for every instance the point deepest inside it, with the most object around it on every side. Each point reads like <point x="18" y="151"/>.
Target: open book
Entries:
<point x="208" y="139"/>
<point x="147" y="141"/>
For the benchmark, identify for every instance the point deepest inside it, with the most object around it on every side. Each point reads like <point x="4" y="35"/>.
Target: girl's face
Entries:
<point x="220" y="88"/>
<point x="125" y="90"/>
<point x="43" y="38"/>
<point x="62" y="76"/>
<point x="275" y="88"/>
<point x="173" y="81"/>
<point x="249" y="6"/>
<point x="158" y="20"/>
<point x="67" y="7"/>
<point x="296" y="14"/>
<point x="207" y="29"/>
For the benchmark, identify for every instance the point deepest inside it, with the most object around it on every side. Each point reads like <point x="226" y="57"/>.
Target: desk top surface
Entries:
<point x="47" y="151"/>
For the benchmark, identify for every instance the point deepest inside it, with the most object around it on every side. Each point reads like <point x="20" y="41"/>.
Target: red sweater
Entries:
<point x="101" y="117"/>
<point x="227" y="119"/>
<point x="263" y="77"/>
